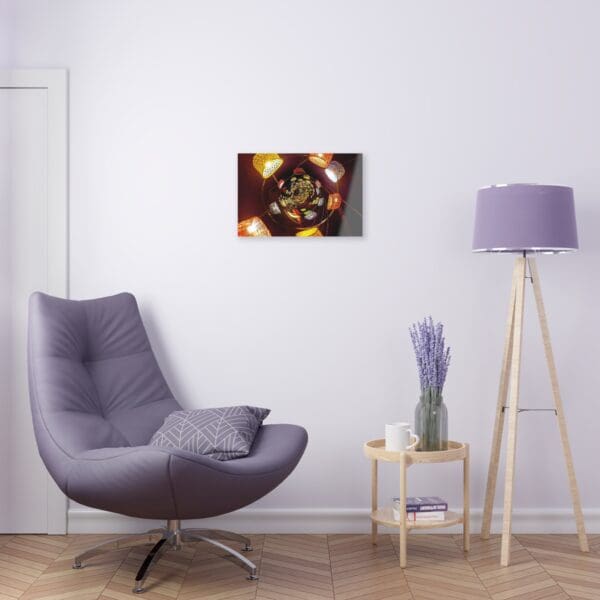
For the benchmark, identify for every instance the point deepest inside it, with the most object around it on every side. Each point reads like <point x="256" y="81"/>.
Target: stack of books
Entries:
<point x="422" y="508"/>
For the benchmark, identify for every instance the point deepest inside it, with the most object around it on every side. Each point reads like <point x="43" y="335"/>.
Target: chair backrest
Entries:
<point x="93" y="379"/>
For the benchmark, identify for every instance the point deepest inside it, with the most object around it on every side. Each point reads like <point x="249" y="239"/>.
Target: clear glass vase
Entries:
<point x="431" y="422"/>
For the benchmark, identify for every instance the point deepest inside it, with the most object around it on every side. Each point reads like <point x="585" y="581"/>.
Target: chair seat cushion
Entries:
<point x="220" y="433"/>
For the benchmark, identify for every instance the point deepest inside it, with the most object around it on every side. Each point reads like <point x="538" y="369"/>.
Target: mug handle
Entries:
<point x="415" y="443"/>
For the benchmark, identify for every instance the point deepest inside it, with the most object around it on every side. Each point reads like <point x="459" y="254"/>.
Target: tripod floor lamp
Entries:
<point x="524" y="219"/>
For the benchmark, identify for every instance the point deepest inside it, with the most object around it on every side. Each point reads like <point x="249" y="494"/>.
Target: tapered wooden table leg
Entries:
<point x="511" y="442"/>
<point x="373" y="499"/>
<point x="490" y="491"/>
<point x="403" y="528"/>
<point x="466" y="502"/>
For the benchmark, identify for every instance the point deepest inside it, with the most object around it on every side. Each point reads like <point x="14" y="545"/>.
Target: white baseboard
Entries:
<point x="324" y="520"/>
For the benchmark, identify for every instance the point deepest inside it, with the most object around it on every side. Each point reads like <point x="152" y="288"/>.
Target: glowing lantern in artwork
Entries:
<point x="334" y="201"/>
<point x="253" y="227"/>
<point x="335" y="171"/>
<point x="312" y="232"/>
<point x="321" y="160"/>
<point x="266" y="164"/>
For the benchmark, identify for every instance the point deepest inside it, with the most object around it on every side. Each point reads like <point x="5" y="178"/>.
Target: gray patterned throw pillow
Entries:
<point x="221" y="433"/>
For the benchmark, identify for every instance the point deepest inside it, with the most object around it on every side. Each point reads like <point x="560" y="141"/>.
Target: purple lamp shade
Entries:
<point x="525" y="217"/>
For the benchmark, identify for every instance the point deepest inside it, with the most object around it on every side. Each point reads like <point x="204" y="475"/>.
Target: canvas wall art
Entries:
<point x="299" y="195"/>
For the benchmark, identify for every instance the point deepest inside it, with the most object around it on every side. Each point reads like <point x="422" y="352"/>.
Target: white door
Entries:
<point x="32" y="257"/>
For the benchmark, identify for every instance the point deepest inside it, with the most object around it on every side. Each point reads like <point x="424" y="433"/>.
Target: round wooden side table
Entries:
<point x="375" y="450"/>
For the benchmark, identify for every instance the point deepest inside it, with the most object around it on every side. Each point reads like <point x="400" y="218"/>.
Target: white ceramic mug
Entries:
<point x="397" y="437"/>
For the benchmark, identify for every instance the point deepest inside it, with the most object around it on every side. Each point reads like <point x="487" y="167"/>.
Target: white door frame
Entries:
<point x="54" y="81"/>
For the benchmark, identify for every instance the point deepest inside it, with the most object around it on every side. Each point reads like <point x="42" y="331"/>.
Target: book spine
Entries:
<point x="437" y="515"/>
<point x="426" y="507"/>
<point x="425" y="516"/>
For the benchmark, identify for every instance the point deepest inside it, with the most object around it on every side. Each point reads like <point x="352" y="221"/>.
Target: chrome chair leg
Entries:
<point x="118" y="543"/>
<point x="248" y="564"/>
<point x="220" y="534"/>
<point x="171" y="536"/>
<point x="174" y="530"/>
<point x="151" y="559"/>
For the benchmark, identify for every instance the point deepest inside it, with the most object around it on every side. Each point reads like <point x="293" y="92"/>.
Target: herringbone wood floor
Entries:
<point x="308" y="567"/>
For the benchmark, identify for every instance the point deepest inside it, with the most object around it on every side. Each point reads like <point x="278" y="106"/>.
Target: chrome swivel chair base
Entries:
<point x="170" y="537"/>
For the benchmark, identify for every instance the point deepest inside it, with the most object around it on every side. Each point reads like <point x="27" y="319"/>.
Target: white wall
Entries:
<point x="442" y="98"/>
<point x="5" y="298"/>
<point x="5" y="48"/>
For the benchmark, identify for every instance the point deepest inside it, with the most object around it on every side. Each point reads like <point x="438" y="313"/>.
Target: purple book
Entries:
<point x="424" y="503"/>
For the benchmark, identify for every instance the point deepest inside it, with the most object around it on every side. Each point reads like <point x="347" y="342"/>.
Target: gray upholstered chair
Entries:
<point x="98" y="395"/>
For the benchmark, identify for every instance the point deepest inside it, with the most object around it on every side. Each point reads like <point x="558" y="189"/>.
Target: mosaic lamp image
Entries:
<point x="299" y="195"/>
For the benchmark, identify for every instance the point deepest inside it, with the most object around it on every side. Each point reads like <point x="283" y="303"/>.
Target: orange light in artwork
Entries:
<point x="266" y="164"/>
<point x="312" y="232"/>
<point x="321" y="160"/>
<point x="253" y="227"/>
<point x="334" y="201"/>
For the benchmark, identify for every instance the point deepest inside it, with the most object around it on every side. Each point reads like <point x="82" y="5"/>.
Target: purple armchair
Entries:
<point x="98" y="395"/>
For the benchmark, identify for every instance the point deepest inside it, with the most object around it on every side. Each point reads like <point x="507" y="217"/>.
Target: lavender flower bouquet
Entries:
<point x="433" y="358"/>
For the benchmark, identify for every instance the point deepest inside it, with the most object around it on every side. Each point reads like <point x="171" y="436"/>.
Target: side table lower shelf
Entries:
<point x="385" y="516"/>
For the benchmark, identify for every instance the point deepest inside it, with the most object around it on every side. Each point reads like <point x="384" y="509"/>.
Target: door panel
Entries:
<point x="23" y="269"/>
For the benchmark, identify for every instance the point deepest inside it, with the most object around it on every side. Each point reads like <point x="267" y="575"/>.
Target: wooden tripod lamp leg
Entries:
<point x="562" y="424"/>
<point x="515" y="370"/>
<point x="490" y="490"/>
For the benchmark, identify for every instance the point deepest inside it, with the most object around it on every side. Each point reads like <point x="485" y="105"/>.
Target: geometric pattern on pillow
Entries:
<point x="221" y="433"/>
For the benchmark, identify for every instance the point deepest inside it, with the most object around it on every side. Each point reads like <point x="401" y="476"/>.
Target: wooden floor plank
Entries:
<point x="212" y="576"/>
<point x="576" y="573"/>
<point x="437" y="566"/>
<point x="523" y="579"/>
<point x="295" y="567"/>
<point x="363" y="570"/>
<point x="307" y="567"/>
